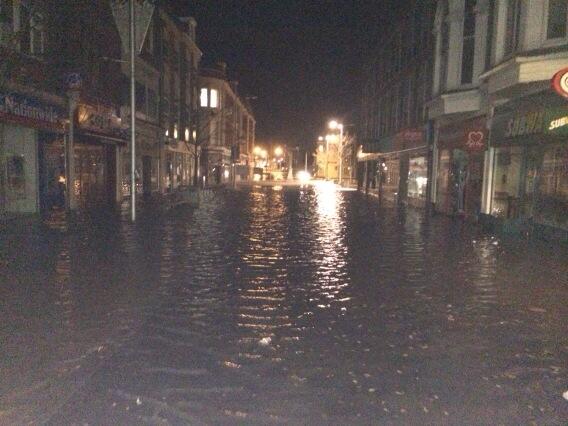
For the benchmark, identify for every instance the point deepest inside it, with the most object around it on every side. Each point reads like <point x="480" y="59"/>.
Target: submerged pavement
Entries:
<point x="281" y="306"/>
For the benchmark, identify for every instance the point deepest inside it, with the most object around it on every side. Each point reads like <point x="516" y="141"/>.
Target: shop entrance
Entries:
<point x="51" y="173"/>
<point x="460" y="182"/>
<point x="94" y="175"/>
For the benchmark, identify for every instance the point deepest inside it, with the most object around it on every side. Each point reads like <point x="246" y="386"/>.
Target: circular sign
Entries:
<point x="74" y="81"/>
<point x="560" y="82"/>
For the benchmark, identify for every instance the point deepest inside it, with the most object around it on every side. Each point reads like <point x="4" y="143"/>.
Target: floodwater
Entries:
<point x="281" y="306"/>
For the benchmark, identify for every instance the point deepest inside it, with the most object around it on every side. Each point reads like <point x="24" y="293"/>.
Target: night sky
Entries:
<point x="302" y="59"/>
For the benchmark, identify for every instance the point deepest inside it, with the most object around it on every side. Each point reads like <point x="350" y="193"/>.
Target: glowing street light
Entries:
<point x="278" y="151"/>
<point x="257" y="151"/>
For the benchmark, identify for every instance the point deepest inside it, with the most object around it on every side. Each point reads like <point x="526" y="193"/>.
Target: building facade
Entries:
<point x="61" y="133"/>
<point x="226" y="130"/>
<point x="393" y="130"/>
<point x="501" y="141"/>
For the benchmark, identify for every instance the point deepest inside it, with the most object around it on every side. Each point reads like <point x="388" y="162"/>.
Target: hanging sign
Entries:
<point x="560" y="82"/>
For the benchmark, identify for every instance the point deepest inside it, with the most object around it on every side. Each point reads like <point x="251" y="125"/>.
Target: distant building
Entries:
<point x="394" y="129"/>
<point x="226" y="130"/>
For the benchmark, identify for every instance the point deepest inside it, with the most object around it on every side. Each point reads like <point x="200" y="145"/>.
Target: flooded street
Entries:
<point x="281" y="306"/>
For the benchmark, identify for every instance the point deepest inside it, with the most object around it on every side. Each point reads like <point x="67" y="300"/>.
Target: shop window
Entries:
<point x="551" y="198"/>
<point x="443" y="181"/>
<point x="16" y="177"/>
<point x="557" y="19"/>
<point x="417" y="177"/>
<point x="506" y="187"/>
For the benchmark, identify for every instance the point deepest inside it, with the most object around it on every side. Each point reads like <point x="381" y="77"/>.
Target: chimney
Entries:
<point x="222" y="66"/>
<point x="191" y="26"/>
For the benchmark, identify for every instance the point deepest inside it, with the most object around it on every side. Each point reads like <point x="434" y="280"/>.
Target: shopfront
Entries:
<point x="461" y="150"/>
<point x="530" y="176"/>
<point x="27" y="126"/>
<point x="404" y="171"/>
<point x="98" y="141"/>
<point x="147" y="161"/>
<point x="178" y="165"/>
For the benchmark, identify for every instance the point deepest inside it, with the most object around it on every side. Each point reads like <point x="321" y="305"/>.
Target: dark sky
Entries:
<point x="301" y="58"/>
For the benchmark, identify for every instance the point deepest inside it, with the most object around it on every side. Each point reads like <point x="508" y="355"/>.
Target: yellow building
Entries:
<point x="327" y="158"/>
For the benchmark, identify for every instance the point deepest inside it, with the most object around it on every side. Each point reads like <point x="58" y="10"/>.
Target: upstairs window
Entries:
<point x="213" y="98"/>
<point x="557" y="19"/>
<point x="490" y="33"/>
<point x="468" y="51"/>
<point x="513" y="29"/>
<point x="7" y="13"/>
<point x="444" y="47"/>
<point x="204" y="98"/>
<point x="209" y="98"/>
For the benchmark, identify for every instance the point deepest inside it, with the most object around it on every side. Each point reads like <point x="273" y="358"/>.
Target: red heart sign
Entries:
<point x="475" y="140"/>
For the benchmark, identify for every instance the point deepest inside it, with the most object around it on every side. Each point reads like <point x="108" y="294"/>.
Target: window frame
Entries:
<point x="557" y="40"/>
<point x="515" y="38"/>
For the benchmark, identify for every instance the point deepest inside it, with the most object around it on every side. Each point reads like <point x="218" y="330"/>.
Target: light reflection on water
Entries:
<point x="310" y="305"/>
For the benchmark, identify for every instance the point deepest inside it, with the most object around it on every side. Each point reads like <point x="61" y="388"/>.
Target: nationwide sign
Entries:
<point x="27" y="110"/>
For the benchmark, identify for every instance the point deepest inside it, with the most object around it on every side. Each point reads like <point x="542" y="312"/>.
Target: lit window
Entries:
<point x="557" y="18"/>
<point x="214" y="101"/>
<point x="203" y="98"/>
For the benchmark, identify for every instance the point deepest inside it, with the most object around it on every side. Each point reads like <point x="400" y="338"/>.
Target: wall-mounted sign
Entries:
<point x="560" y="82"/>
<point x="29" y="111"/>
<point x="74" y="81"/>
<point x="556" y="121"/>
<point x="529" y="126"/>
<point x="99" y="119"/>
<point x="469" y="136"/>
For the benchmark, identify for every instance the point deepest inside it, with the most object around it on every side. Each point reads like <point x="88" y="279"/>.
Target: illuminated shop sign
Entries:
<point x="29" y="110"/>
<point x="560" y="82"/>
<point x="516" y="127"/>
<point x="469" y="136"/>
<point x="559" y="122"/>
<point x="99" y="119"/>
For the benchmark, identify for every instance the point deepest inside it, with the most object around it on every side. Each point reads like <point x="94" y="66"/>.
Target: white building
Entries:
<point x="226" y="132"/>
<point x="496" y="155"/>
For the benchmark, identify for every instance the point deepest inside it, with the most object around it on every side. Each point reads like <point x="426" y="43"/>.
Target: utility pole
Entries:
<point x="132" y="111"/>
<point x="340" y="153"/>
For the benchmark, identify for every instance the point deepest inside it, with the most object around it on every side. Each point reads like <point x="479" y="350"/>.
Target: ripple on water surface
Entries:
<point x="318" y="306"/>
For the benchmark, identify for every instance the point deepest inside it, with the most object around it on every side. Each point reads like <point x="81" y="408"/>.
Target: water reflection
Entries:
<point x="289" y="306"/>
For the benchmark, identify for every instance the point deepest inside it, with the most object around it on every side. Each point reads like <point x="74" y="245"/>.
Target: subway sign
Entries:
<point x="560" y="82"/>
<point x="516" y="126"/>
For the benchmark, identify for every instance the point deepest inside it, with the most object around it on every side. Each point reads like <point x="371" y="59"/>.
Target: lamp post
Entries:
<point x="132" y="111"/>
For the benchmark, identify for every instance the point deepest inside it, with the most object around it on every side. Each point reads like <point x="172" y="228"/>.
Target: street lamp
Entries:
<point x="334" y="125"/>
<point x="278" y="151"/>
